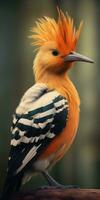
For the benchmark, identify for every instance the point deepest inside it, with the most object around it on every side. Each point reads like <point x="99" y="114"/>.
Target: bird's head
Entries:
<point x="56" y="41"/>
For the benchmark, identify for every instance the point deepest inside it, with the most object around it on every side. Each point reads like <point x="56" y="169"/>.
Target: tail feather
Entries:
<point x="11" y="186"/>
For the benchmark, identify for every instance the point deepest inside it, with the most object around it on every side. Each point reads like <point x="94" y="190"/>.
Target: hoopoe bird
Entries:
<point x="46" y="120"/>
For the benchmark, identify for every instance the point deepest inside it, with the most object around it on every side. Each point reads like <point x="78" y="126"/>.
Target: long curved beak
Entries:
<point x="73" y="56"/>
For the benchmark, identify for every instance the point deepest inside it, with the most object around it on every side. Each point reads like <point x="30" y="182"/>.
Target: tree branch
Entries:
<point x="59" y="194"/>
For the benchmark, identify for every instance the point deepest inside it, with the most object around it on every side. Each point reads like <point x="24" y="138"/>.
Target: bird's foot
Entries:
<point x="54" y="184"/>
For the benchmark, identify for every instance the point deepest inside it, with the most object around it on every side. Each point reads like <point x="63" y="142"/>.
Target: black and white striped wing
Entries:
<point x="37" y="122"/>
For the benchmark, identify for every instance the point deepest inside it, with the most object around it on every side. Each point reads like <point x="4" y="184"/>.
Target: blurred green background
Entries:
<point x="81" y="165"/>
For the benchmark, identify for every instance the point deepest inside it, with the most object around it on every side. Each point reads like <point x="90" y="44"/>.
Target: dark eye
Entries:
<point x="55" y="53"/>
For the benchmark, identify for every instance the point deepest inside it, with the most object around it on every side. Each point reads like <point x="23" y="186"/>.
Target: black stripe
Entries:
<point x="59" y="98"/>
<point x="41" y="109"/>
<point x="59" y="122"/>
<point x="43" y="119"/>
<point x="23" y="127"/>
<point x="16" y="135"/>
<point x="37" y="132"/>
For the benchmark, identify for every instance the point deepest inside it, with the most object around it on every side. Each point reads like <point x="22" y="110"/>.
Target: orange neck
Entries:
<point x="62" y="84"/>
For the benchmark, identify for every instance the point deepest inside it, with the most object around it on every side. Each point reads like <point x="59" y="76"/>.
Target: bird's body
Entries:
<point x="35" y="127"/>
<point x="46" y="120"/>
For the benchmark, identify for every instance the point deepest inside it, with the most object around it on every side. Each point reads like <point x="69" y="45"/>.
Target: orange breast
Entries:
<point x="60" y="144"/>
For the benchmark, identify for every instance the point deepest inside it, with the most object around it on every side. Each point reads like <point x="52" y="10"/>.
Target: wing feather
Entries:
<point x="35" y="126"/>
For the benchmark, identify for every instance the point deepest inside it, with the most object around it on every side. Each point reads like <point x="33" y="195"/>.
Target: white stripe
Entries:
<point x="14" y="120"/>
<point x="41" y="137"/>
<point x="22" y="133"/>
<point x="50" y="135"/>
<point x="36" y="138"/>
<point x="14" y="142"/>
<point x="42" y="125"/>
<point x="14" y="130"/>
<point x="60" y="102"/>
<point x="26" y="122"/>
<point x="44" y="114"/>
<point x="25" y="139"/>
<point x="28" y="157"/>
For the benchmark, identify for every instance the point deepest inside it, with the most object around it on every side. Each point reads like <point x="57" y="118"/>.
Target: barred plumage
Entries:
<point x="35" y="125"/>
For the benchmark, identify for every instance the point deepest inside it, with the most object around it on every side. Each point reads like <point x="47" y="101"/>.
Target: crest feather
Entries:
<point x="61" y="31"/>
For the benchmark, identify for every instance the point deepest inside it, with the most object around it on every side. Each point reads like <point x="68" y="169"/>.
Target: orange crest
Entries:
<point x="61" y="31"/>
